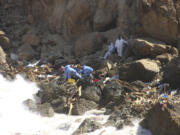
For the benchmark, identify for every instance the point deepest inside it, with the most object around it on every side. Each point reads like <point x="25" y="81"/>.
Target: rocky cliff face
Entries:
<point x="158" y="19"/>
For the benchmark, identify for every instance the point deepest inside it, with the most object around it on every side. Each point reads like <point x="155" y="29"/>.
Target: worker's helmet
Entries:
<point x="61" y="69"/>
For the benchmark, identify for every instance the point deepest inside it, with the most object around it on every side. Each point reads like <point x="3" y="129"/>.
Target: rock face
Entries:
<point x="144" y="70"/>
<point x="172" y="73"/>
<point x="158" y="19"/>
<point x="43" y="109"/>
<point x="26" y="52"/>
<point x="163" y="121"/>
<point x="31" y="39"/>
<point x="89" y="44"/>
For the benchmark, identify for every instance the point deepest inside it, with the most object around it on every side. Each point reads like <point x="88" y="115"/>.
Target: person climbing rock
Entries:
<point x="111" y="49"/>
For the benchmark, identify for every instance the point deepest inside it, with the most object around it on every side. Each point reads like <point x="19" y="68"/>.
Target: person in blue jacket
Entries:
<point x="78" y="68"/>
<point x="85" y="70"/>
<point x="70" y="72"/>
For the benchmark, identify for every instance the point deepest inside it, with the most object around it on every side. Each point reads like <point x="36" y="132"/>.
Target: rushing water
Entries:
<point x="15" y="119"/>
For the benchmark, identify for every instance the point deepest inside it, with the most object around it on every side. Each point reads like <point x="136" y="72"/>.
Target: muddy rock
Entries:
<point x="143" y="48"/>
<point x="2" y="56"/>
<point x="144" y="70"/>
<point x="120" y="118"/>
<point x="172" y="73"/>
<point x="163" y="120"/>
<point x="26" y="52"/>
<point x="87" y="126"/>
<point x="82" y="106"/>
<point x="89" y="44"/>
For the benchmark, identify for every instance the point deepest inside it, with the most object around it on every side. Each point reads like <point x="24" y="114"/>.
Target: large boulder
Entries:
<point x="172" y="73"/>
<point x="2" y="56"/>
<point x="143" y="69"/>
<point x="145" y="48"/>
<point x="89" y="44"/>
<point x="2" y="33"/>
<point x="165" y="58"/>
<point x="4" y="41"/>
<point x="163" y="120"/>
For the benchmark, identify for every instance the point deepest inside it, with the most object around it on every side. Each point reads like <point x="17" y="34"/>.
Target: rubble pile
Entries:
<point x="139" y="71"/>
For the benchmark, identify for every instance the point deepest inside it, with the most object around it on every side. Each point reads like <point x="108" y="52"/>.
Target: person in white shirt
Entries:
<point x="119" y="45"/>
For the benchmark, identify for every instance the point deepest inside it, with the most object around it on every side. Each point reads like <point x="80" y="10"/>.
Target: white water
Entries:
<point x="15" y="119"/>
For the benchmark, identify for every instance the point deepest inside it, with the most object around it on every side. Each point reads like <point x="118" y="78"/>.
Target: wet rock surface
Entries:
<point x="163" y="119"/>
<point x="87" y="126"/>
<point x="83" y="106"/>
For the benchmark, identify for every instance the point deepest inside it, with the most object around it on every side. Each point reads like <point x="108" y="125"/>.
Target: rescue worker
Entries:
<point x="119" y="45"/>
<point x="69" y="72"/>
<point x="86" y="70"/>
<point x="111" y="49"/>
<point x="78" y="68"/>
